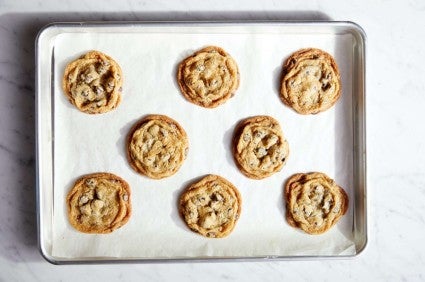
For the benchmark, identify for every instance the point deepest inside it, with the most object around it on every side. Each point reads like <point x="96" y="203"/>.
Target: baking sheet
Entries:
<point x="149" y="57"/>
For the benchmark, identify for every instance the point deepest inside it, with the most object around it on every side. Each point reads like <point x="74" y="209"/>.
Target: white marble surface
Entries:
<point x="396" y="139"/>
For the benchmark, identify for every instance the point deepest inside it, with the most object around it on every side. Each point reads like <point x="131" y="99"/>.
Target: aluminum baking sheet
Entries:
<point x="71" y="143"/>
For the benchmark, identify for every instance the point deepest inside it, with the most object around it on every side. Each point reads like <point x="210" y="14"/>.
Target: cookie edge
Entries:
<point x="296" y="178"/>
<point x="196" y="184"/>
<point x="115" y="225"/>
<point x="182" y="85"/>
<point x="136" y="126"/>
<point x="237" y="134"/>
<point x="89" y="55"/>
<point x="289" y="64"/>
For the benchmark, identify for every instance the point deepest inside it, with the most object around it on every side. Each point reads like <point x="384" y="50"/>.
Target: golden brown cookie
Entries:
<point x="209" y="77"/>
<point x="157" y="146"/>
<point x="310" y="81"/>
<point x="99" y="203"/>
<point x="93" y="83"/>
<point x="211" y="206"/>
<point x="259" y="147"/>
<point x="314" y="202"/>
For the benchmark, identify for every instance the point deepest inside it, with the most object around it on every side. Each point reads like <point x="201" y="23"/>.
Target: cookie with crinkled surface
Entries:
<point x="93" y="83"/>
<point x="157" y="146"/>
<point x="99" y="203"/>
<point x="259" y="147"/>
<point x="311" y="81"/>
<point x="209" y="77"/>
<point x="211" y="206"/>
<point x="314" y="202"/>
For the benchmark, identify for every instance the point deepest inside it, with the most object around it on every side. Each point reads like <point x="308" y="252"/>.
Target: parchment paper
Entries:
<point x="93" y="143"/>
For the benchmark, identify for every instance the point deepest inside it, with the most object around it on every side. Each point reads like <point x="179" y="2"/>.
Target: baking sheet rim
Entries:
<point x="361" y="126"/>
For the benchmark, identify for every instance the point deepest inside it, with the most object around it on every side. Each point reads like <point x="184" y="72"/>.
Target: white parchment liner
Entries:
<point x="92" y="143"/>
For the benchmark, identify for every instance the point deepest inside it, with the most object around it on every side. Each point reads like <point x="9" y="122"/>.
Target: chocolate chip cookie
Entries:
<point x="209" y="77"/>
<point x="314" y="202"/>
<point x="311" y="81"/>
<point x="99" y="203"/>
<point x="259" y="147"/>
<point x="157" y="146"/>
<point x="211" y="206"/>
<point x="93" y="83"/>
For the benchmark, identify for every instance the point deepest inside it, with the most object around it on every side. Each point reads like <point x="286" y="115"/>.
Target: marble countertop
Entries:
<point x="396" y="147"/>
